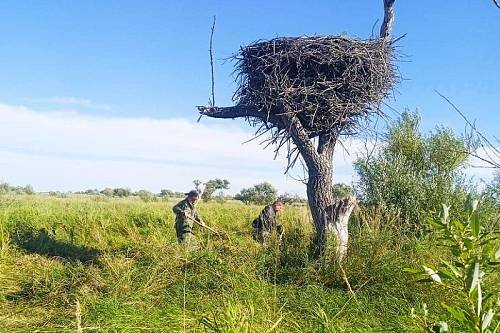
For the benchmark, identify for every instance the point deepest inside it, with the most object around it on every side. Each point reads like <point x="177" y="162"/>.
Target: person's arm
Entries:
<point x="179" y="208"/>
<point x="197" y="216"/>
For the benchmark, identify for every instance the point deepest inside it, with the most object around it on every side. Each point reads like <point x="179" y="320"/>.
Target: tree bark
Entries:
<point x="320" y="198"/>
<point x="386" y="28"/>
<point x="338" y="223"/>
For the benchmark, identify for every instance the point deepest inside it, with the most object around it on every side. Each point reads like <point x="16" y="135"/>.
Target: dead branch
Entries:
<point x="212" y="62"/>
<point x="490" y="150"/>
<point x="386" y="28"/>
<point x="212" y="101"/>
<point x="238" y="111"/>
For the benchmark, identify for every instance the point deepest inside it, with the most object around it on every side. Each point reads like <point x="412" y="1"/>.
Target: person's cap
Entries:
<point x="192" y="193"/>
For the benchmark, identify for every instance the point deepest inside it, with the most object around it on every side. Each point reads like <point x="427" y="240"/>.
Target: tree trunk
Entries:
<point x="330" y="216"/>
<point x="320" y="198"/>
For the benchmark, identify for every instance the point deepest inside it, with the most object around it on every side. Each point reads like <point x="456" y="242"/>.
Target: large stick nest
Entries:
<point x="328" y="82"/>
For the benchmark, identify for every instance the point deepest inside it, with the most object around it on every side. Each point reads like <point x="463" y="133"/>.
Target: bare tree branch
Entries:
<point x="212" y="62"/>
<point x="386" y="28"/>
<point x="300" y="138"/>
<point x="492" y="153"/>
<point x="212" y="101"/>
<point x="238" y="111"/>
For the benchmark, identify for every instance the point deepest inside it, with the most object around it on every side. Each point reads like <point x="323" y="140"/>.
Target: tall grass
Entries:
<point x="120" y="262"/>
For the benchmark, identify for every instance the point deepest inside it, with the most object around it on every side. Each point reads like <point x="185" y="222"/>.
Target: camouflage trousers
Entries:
<point x="263" y="236"/>
<point x="186" y="238"/>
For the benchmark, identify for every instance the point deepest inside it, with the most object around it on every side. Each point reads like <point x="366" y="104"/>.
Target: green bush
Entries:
<point x="260" y="194"/>
<point x="414" y="173"/>
<point x="213" y="185"/>
<point x="341" y="190"/>
<point x="146" y="196"/>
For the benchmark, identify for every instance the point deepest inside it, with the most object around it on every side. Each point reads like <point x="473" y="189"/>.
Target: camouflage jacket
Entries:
<point x="266" y="219"/>
<point x="182" y="223"/>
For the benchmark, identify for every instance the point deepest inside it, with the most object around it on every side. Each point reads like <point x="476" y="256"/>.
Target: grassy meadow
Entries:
<point x="91" y="264"/>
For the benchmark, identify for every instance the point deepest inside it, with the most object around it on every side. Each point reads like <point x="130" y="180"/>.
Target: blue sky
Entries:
<point x="98" y="61"/>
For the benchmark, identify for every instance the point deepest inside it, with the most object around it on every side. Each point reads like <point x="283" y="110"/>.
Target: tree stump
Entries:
<point x="337" y="223"/>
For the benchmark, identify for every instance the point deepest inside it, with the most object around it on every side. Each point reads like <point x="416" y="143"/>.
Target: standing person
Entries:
<point x="264" y="225"/>
<point x="185" y="212"/>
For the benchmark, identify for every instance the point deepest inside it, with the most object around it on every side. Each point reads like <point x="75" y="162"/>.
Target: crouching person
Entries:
<point x="185" y="214"/>
<point x="266" y="223"/>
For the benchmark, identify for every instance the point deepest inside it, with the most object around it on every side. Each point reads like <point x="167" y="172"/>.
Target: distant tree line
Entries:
<point x="213" y="189"/>
<point x="121" y="192"/>
<point x="8" y="189"/>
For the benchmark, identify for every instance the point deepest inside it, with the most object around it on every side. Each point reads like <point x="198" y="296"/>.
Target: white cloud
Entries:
<point x="74" y="102"/>
<point x="72" y="151"/>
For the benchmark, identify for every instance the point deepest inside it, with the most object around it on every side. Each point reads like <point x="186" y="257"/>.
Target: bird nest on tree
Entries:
<point x="327" y="82"/>
<point x="320" y="86"/>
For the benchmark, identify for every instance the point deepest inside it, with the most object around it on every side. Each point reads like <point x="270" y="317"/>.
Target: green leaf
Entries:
<point x="276" y="323"/>
<point x="469" y="244"/>
<point x="436" y="224"/>
<point x="458" y="314"/>
<point x="411" y="270"/>
<point x="489" y="236"/>
<point x="457" y="225"/>
<point x="425" y="280"/>
<point x="472" y="278"/>
<point x="444" y="273"/>
<point x="474" y="224"/>
<point x="456" y="271"/>
<point x="487" y="296"/>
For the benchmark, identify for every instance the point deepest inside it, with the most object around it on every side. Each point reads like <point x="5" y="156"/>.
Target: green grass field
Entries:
<point x="97" y="265"/>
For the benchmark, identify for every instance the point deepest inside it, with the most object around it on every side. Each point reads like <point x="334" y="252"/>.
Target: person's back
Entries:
<point x="266" y="223"/>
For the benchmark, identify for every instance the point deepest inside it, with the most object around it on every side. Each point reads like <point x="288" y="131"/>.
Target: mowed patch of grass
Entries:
<point x="119" y="260"/>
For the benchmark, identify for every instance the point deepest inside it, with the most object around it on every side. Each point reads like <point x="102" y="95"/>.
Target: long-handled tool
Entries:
<point x="202" y="224"/>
